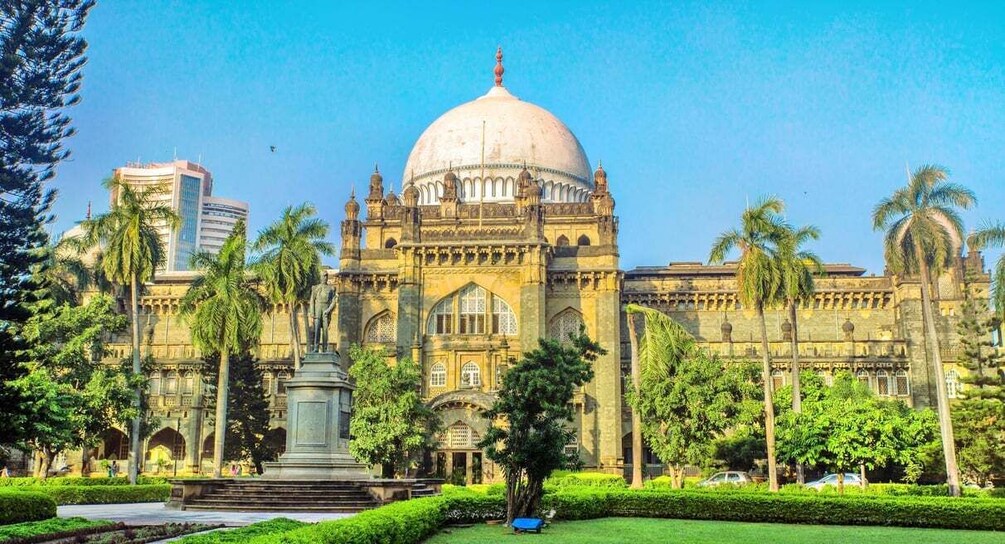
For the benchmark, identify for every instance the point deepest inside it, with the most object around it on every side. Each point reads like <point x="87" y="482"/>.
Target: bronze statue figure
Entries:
<point x="322" y="303"/>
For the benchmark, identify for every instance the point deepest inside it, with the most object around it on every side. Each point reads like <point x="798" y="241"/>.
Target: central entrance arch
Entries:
<point x="457" y="458"/>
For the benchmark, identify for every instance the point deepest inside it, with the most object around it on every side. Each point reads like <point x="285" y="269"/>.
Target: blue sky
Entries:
<point x="694" y="108"/>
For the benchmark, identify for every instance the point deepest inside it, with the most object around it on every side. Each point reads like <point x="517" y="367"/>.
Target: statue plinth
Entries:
<point x="319" y="402"/>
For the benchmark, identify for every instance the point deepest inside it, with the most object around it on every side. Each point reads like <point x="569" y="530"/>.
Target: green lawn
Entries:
<point x="653" y="531"/>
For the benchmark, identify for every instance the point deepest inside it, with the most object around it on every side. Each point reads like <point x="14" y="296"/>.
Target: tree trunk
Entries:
<point x="861" y="469"/>
<point x="797" y="401"/>
<point x="636" y="417"/>
<point x="942" y="401"/>
<point x="294" y="337"/>
<point x="222" y="389"/>
<point x="840" y="476"/>
<point x="769" y="406"/>
<point x="134" y="437"/>
<point x="85" y="462"/>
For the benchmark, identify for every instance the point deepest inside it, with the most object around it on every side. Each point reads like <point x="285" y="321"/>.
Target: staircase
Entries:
<point x="285" y="495"/>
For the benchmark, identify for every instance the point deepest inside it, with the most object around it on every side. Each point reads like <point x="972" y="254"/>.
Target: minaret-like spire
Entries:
<point x="499" y="67"/>
<point x="88" y="217"/>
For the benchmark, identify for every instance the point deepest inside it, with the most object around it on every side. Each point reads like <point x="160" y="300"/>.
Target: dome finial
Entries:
<point x="499" y="67"/>
<point x="376" y="168"/>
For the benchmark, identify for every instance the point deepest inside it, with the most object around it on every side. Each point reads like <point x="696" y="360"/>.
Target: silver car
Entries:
<point x="832" y="480"/>
<point x="732" y="477"/>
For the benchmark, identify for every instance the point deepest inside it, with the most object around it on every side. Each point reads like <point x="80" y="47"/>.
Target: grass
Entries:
<point x="653" y="531"/>
<point x="242" y="534"/>
<point x="47" y="527"/>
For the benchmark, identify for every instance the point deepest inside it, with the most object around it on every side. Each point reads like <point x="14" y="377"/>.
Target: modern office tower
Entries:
<point x="187" y="187"/>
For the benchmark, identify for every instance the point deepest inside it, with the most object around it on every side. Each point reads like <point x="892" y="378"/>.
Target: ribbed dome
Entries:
<point x="515" y="133"/>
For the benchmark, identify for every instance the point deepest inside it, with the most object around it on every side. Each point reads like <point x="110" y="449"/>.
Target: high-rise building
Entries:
<point x="187" y="188"/>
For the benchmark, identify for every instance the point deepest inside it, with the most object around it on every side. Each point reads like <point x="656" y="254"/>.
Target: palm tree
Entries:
<point x="223" y="310"/>
<point x="131" y="250"/>
<point x="663" y="340"/>
<point x="759" y="282"/>
<point x="291" y="262"/>
<point x="797" y="267"/>
<point x="924" y="233"/>
<point x="64" y="273"/>
<point x="993" y="234"/>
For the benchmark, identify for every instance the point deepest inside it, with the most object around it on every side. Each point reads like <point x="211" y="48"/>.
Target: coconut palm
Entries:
<point x="924" y="233"/>
<point x="758" y="282"/>
<point x="223" y="311"/>
<point x="131" y="250"/>
<point x="993" y="234"/>
<point x="290" y="262"/>
<point x="798" y="267"/>
<point x="64" y="274"/>
<point x="663" y="341"/>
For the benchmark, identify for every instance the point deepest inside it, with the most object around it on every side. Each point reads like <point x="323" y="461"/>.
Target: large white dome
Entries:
<point x="511" y="133"/>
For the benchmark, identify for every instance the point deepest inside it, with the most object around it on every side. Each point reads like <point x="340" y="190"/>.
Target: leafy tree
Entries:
<point x="291" y="262"/>
<point x="993" y="234"/>
<point x="687" y="397"/>
<point x="528" y="428"/>
<point x="132" y="250"/>
<point x="223" y="310"/>
<point x="924" y="232"/>
<point x="759" y="283"/>
<point x="979" y="417"/>
<point x="70" y="396"/>
<point x="390" y="424"/>
<point x="41" y="56"/>
<point x="247" y="410"/>
<point x="843" y="428"/>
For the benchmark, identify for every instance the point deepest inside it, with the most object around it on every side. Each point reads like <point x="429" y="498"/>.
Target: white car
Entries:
<point x="730" y="477"/>
<point x="832" y="480"/>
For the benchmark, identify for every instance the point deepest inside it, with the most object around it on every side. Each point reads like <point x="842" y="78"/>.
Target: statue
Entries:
<point x="322" y="303"/>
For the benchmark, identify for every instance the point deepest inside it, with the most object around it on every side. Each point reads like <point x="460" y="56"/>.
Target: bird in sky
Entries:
<point x="272" y="148"/>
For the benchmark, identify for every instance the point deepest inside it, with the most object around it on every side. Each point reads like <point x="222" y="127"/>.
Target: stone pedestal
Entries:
<point x="319" y="399"/>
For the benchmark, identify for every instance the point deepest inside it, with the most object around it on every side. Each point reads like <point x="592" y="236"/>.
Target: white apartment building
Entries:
<point x="217" y="220"/>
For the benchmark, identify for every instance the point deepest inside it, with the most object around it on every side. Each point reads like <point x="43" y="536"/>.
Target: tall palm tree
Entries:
<point x="758" y="282"/>
<point x="993" y="234"/>
<point x="663" y="340"/>
<point x="131" y="250"/>
<point x="924" y="233"/>
<point x="798" y="267"/>
<point x="223" y="310"/>
<point x="290" y="262"/>
<point x="64" y="273"/>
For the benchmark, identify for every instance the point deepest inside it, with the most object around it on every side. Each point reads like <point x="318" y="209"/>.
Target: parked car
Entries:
<point x="731" y="477"/>
<point x="832" y="480"/>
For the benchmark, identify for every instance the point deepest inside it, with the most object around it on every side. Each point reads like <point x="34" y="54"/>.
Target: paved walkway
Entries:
<point x="150" y="513"/>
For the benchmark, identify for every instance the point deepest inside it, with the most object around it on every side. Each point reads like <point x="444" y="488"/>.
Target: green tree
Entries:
<point x="993" y="235"/>
<point x="687" y="398"/>
<point x="70" y="396"/>
<point x="979" y="417"/>
<point x="40" y="74"/>
<point x="223" y="311"/>
<point x="132" y="250"/>
<point x="390" y="425"/>
<point x="798" y="268"/>
<point x="759" y="282"/>
<point x="529" y="422"/>
<point x="924" y="232"/>
<point x="290" y="262"/>
<point x="247" y="410"/>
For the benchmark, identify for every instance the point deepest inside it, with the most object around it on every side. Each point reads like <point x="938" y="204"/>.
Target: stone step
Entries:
<point x="301" y="494"/>
<point x="283" y="500"/>
<point x="273" y="508"/>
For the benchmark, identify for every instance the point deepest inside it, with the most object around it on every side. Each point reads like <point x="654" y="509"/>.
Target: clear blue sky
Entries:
<point x="693" y="108"/>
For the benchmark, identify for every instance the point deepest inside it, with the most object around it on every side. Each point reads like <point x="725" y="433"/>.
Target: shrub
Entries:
<point x="406" y="522"/>
<point x="52" y="528"/>
<point x="78" y="481"/>
<point x="19" y="506"/>
<point x="263" y="528"/>
<point x="588" y="479"/>
<point x="98" y="494"/>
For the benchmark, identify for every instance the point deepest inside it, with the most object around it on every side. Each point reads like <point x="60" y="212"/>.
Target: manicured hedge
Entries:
<point x="98" y="494"/>
<point x="52" y="528"/>
<point x="78" y="481"/>
<point x="19" y="506"/>
<point x="588" y="479"/>
<point x="271" y="527"/>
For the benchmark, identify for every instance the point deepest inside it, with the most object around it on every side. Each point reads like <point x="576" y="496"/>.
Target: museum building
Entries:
<point x="502" y="234"/>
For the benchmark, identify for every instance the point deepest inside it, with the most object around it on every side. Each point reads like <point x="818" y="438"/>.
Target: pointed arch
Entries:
<point x="564" y="324"/>
<point x="390" y="243"/>
<point x="381" y="329"/>
<point x="583" y="240"/>
<point x="472" y="309"/>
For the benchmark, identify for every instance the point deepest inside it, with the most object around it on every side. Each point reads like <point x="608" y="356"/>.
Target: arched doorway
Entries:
<point x="165" y="451"/>
<point x="114" y="445"/>
<point x="457" y="457"/>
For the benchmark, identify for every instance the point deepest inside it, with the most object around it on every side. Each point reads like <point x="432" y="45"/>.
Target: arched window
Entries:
<point x="562" y="241"/>
<point x="583" y="240"/>
<point x="472" y="310"/>
<point x="952" y="383"/>
<point x="281" y="383"/>
<point x="883" y="385"/>
<point x="902" y="382"/>
<point x="460" y="436"/>
<point x="503" y="318"/>
<point x="188" y="384"/>
<point x="471" y="375"/>
<point x="390" y="243"/>
<point x="565" y="324"/>
<point x="171" y="384"/>
<point x="267" y="383"/>
<point x="438" y="375"/>
<point x="381" y="329"/>
<point x="863" y="377"/>
<point x="441" y="319"/>
<point x="777" y="379"/>
<point x="155" y="383"/>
